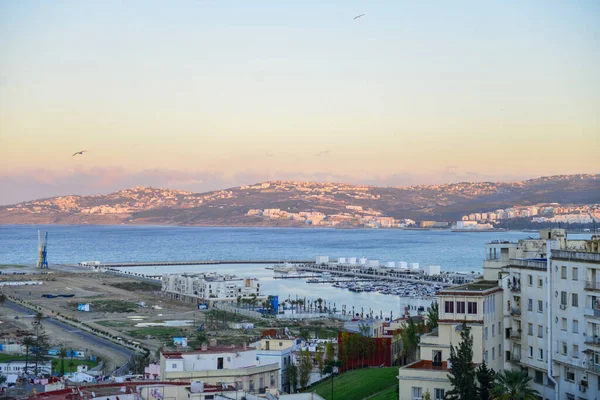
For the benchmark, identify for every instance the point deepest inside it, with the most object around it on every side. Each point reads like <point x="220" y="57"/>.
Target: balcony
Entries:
<point x="515" y="311"/>
<point x="593" y="341"/>
<point x="592" y="286"/>
<point x="591" y="312"/>
<point x="515" y="335"/>
<point x="515" y="358"/>
<point x="594" y="369"/>
<point x="529" y="263"/>
<point x="515" y="289"/>
<point x="576" y="255"/>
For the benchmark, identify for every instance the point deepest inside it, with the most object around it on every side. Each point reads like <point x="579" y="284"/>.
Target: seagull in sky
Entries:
<point x="79" y="152"/>
<point x="358" y="16"/>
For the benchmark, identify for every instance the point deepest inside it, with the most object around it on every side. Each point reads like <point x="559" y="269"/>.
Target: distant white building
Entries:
<point x="322" y="259"/>
<point x="209" y="287"/>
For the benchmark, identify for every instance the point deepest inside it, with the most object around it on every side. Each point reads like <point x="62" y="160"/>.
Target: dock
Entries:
<point x="204" y="262"/>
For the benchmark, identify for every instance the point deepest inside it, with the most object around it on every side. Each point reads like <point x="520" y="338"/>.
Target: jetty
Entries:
<point x="203" y="262"/>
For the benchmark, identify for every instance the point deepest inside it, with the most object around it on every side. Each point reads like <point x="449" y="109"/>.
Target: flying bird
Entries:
<point x="79" y="152"/>
<point x="358" y="16"/>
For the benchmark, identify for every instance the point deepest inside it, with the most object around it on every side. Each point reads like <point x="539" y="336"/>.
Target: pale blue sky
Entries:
<point x="216" y="93"/>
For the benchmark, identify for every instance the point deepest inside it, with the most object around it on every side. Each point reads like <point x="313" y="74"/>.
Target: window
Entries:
<point x="485" y="356"/>
<point x="530" y="305"/>
<point x="575" y="273"/>
<point x="563" y="272"/>
<point x="486" y="333"/>
<point x="437" y="357"/>
<point x="540" y="331"/>
<point x="540" y="354"/>
<point x="460" y="307"/>
<point x="251" y="385"/>
<point x="417" y="393"/>
<point x="493" y="353"/>
<point x="538" y="377"/>
<point x="220" y="363"/>
<point x="272" y="380"/>
<point x="575" y="326"/>
<point x="563" y="324"/>
<point x="530" y="280"/>
<point x="530" y="329"/>
<point x="472" y="307"/>
<point x="563" y="298"/>
<point x="570" y="374"/>
<point x="575" y="300"/>
<point x="540" y="282"/>
<point x="438" y="394"/>
<point x="575" y="351"/>
<point x="499" y="328"/>
<point x="530" y="352"/>
<point x="449" y="307"/>
<point x="174" y="366"/>
<point x="540" y="306"/>
<point x="563" y="349"/>
<point x="493" y="330"/>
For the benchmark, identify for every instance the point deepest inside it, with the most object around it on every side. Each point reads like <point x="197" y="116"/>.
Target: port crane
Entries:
<point x="42" y="249"/>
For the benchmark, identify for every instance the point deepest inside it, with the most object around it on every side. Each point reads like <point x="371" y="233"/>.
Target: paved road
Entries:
<point x="85" y="336"/>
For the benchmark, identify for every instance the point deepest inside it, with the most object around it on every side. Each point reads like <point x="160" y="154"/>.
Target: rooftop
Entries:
<point x="428" y="365"/>
<point x="209" y="350"/>
<point x="477" y="286"/>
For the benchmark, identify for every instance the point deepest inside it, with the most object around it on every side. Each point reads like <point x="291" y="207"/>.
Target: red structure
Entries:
<point x="370" y="352"/>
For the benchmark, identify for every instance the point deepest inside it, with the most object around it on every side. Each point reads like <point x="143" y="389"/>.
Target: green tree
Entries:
<point x="513" y="385"/>
<point x="329" y="352"/>
<point x="138" y="363"/>
<point x="319" y="359"/>
<point x="62" y="353"/>
<point x="305" y="367"/>
<point x="411" y="336"/>
<point x="292" y="377"/>
<point x="485" y="378"/>
<point x="2" y="299"/>
<point x="320" y="301"/>
<point x="41" y="343"/>
<point x="330" y="368"/>
<point x="433" y="316"/>
<point x="462" y="370"/>
<point x="28" y="343"/>
<point x="201" y="337"/>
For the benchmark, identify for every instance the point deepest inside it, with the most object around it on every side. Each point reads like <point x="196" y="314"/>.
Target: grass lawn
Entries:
<point x="115" y="324"/>
<point x="73" y="368"/>
<point x="388" y="394"/>
<point x="360" y="384"/>
<point x="159" y="332"/>
<point x="11" y="357"/>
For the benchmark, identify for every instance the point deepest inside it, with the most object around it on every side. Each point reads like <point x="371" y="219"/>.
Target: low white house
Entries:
<point x="18" y="367"/>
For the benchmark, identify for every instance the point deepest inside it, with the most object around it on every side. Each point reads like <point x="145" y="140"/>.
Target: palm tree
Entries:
<point x="62" y="353"/>
<point x="513" y="385"/>
<point x="38" y="317"/>
<point x="28" y="342"/>
<point x="320" y="301"/>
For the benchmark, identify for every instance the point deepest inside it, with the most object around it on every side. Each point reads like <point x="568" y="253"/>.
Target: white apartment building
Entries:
<point x="550" y="313"/>
<point x="280" y="351"/>
<point x="208" y="288"/>
<point x="237" y="366"/>
<point x="478" y="304"/>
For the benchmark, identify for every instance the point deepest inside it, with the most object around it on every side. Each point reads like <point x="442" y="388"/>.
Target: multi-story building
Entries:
<point x="548" y="315"/>
<point x="475" y="304"/>
<point x="280" y="351"/>
<point x="208" y="288"/>
<point x="232" y="365"/>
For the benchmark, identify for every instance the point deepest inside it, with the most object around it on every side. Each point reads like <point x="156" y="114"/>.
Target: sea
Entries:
<point x="453" y="251"/>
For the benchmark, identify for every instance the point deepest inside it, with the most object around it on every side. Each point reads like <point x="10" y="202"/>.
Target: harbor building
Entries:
<point x="210" y="288"/>
<point x="548" y="316"/>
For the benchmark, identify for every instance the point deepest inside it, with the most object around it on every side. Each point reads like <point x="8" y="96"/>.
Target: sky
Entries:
<point x="205" y="94"/>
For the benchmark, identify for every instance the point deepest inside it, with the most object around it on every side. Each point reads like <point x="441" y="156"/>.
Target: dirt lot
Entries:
<point x="119" y="304"/>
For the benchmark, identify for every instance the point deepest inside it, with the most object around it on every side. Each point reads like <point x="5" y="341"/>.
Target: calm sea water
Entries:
<point x="453" y="251"/>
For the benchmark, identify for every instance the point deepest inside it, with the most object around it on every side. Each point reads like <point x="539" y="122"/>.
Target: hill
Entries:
<point x="293" y="203"/>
